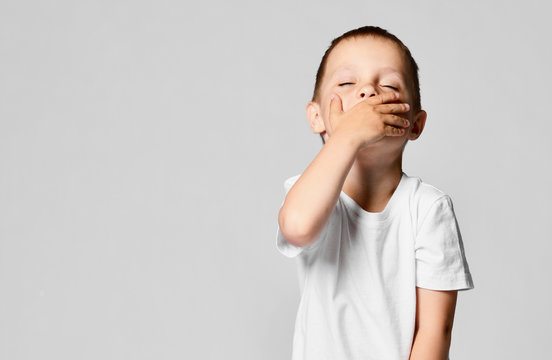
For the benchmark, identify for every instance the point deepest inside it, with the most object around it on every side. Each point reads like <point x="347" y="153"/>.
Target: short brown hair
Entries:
<point x="374" y="31"/>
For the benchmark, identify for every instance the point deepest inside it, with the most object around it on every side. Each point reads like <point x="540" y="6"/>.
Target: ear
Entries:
<point x="418" y="125"/>
<point x="314" y="118"/>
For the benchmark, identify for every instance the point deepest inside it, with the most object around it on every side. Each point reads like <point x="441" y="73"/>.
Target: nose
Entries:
<point x="367" y="91"/>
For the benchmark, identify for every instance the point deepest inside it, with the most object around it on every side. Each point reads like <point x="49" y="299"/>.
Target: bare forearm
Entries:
<point x="310" y="201"/>
<point x="430" y="345"/>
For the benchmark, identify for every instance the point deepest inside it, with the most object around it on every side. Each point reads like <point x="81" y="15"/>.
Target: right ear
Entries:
<point x="314" y="118"/>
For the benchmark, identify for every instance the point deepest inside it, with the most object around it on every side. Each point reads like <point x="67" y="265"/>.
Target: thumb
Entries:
<point x="336" y="107"/>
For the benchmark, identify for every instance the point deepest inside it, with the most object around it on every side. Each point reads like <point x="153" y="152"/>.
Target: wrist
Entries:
<point x="349" y="142"/>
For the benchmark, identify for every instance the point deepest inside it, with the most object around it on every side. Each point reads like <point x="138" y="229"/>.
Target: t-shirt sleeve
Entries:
<point x="287" y="249"/>
<point x="439" y="250"/>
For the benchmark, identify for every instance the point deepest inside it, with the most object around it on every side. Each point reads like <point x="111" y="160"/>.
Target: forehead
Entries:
<point x="366" y="54"/>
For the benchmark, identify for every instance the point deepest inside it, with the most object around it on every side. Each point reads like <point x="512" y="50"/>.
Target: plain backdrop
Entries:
<point x="144" y="146"/>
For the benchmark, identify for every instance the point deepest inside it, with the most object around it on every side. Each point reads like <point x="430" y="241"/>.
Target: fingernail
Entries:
<point x="407" y="106"/>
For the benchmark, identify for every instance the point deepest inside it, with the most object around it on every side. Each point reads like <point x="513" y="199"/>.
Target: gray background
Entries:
<point x="144" y="145"/>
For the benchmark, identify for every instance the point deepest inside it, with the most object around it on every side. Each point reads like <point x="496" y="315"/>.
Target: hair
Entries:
<point x="376" y="32"/>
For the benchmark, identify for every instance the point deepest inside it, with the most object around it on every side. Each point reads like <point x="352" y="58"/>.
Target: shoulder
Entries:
<point x="291" y="180"/>
<point x="425" y="197"/>
<point x="424" y="192"/>
<point x="288" y="183"/>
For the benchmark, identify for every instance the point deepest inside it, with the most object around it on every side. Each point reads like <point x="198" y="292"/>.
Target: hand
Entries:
<point x="370" y="120"/>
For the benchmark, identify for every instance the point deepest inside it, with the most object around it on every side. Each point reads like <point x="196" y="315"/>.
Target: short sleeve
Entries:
<point x="439" y="250"/>
<point x="287" y="249"/>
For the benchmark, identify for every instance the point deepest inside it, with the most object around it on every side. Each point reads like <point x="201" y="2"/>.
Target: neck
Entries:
<point x="371" y="181"/>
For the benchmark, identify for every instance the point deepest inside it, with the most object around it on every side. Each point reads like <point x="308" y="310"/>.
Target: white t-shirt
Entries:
<point x="358" y="280"/>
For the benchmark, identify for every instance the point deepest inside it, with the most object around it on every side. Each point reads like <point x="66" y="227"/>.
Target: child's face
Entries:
<point x="362" y="65"/>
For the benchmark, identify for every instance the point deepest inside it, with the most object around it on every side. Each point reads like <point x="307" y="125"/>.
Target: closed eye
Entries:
<point x="389" y="86"/>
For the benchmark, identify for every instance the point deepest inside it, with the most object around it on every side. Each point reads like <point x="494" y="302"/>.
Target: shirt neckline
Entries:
<point x="359" y="213"/>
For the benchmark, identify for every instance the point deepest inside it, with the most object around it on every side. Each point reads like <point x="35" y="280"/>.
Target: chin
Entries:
<point x="387" y="145"/>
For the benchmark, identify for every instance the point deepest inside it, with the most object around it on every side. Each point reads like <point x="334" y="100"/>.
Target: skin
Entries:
<point x="365" y="130"/>
<point x="434" y="320"/>
<point x="362" y="62"/>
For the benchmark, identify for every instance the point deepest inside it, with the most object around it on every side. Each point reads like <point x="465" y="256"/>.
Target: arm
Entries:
<point x="434" y="319"/>
<point x="310" y="201"/>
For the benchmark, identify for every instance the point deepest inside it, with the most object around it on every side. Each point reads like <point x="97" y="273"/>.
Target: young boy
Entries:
<point x="379" y="253"/>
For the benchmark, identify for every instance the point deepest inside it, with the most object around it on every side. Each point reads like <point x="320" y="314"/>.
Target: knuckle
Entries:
<point x="400" y="120"/>
<point x="403" y="122"/>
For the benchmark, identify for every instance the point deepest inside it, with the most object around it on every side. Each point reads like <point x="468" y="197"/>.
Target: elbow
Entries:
<point x="293" y="229"/>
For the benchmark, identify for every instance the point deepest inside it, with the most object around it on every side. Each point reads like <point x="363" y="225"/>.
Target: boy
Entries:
<point x="379" y="253"/>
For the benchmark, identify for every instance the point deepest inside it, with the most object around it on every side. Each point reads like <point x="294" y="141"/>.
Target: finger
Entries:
<point x="393" y="131"/>
<point x="336" y="107"/>
<point x="392" y="108"/>
<point x="383" y="97"/>
<point x="395" y="120"/>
